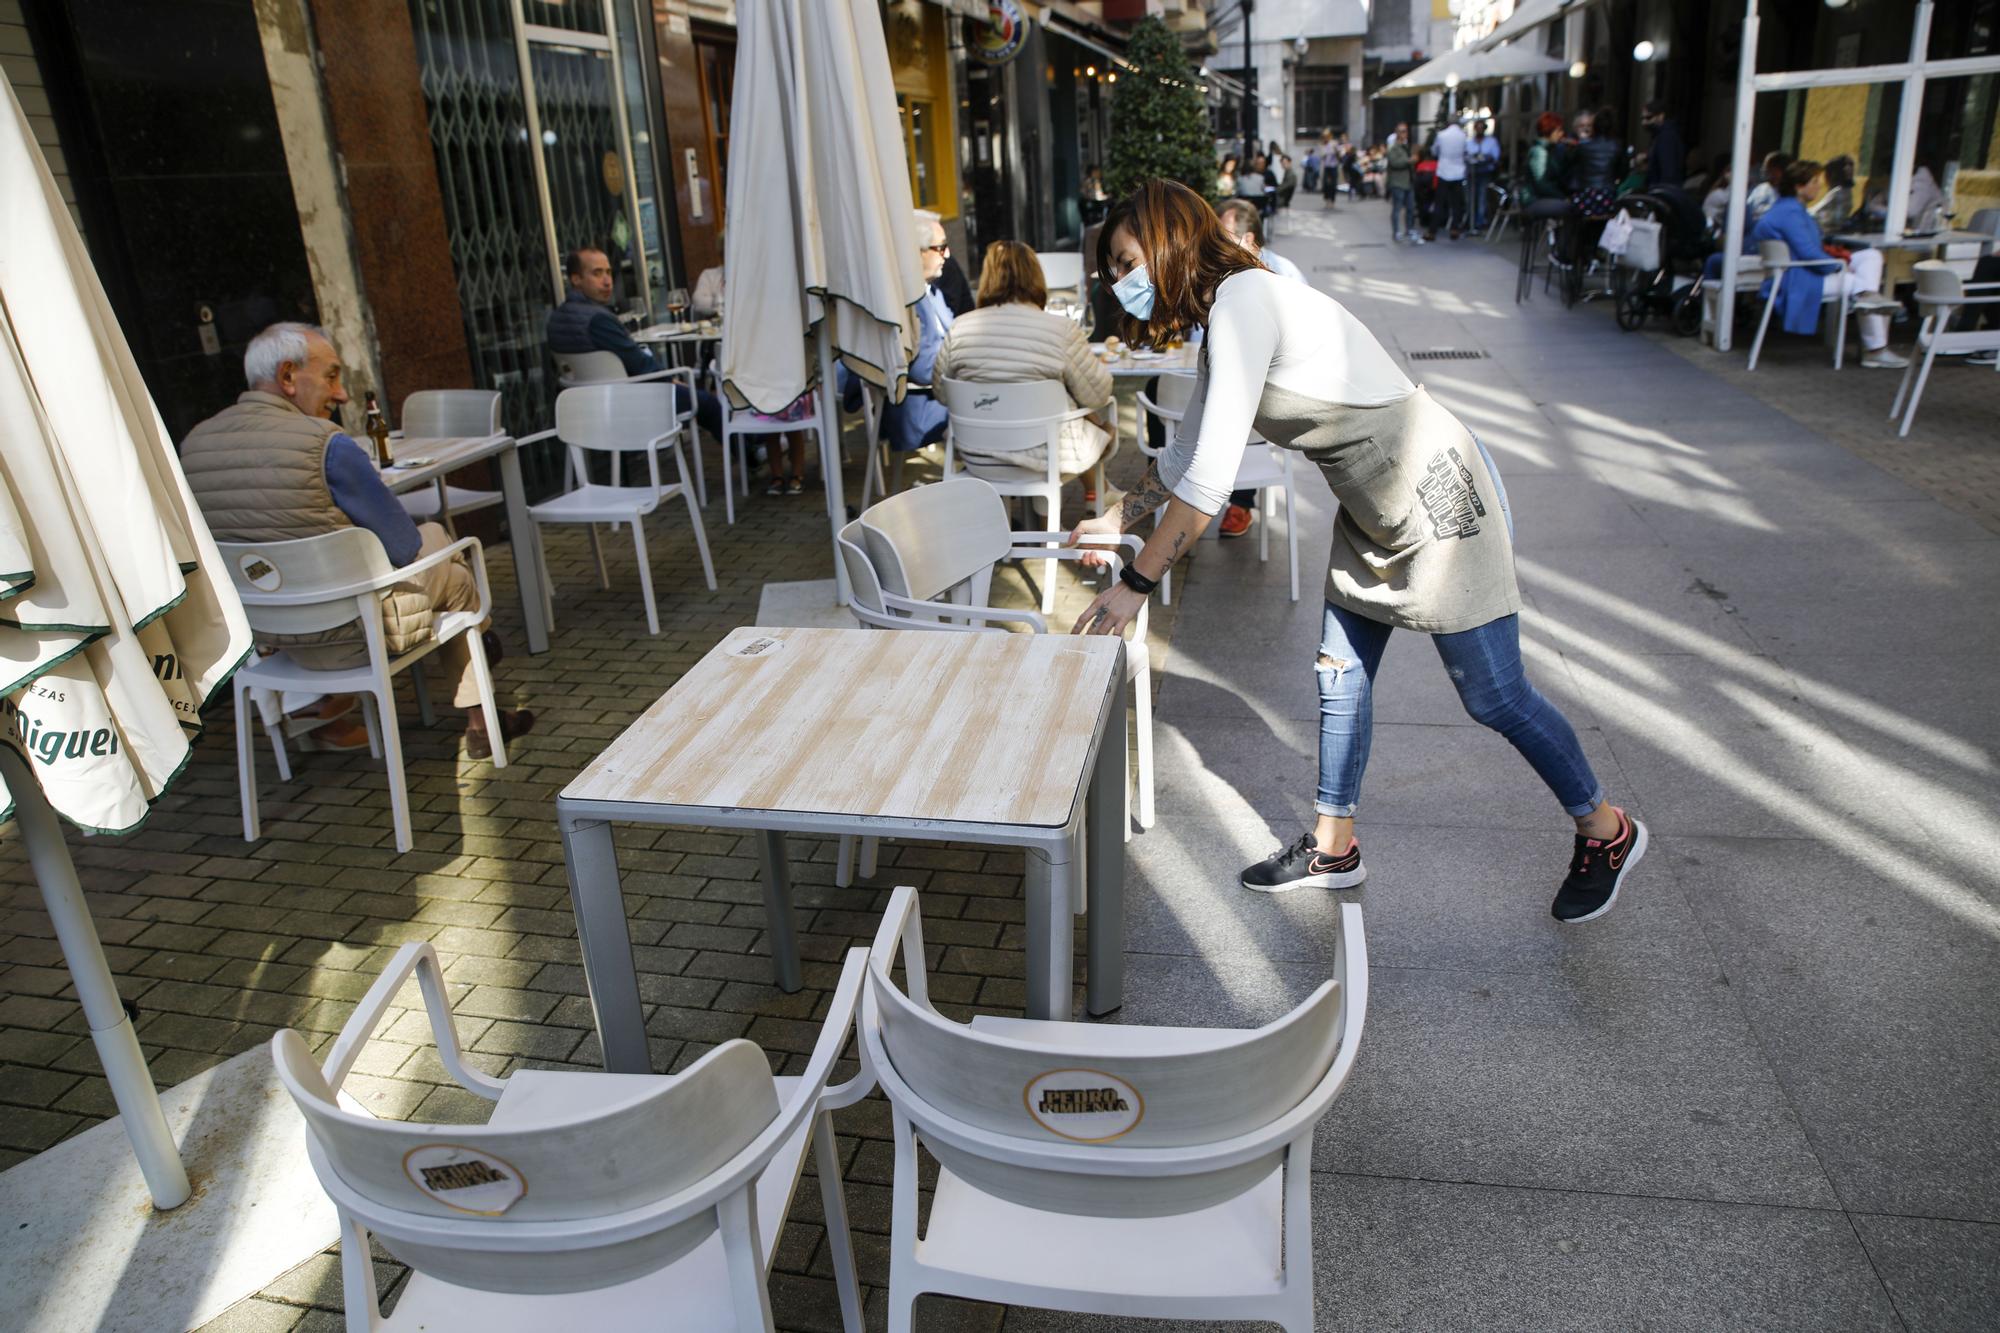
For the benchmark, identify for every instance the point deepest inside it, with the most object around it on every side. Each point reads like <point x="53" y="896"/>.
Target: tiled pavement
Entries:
<point x="1738" y="1102"/>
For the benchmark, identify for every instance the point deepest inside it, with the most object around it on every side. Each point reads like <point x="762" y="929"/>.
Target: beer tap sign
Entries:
<point x="117" y="623"/>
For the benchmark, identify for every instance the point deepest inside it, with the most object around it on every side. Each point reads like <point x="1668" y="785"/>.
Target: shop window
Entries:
<point x="920" y="146"/>
<point x="1319" y="99"/>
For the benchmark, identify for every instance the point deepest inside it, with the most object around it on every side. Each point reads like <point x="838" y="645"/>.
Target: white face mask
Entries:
<point x="1135" y="292"/>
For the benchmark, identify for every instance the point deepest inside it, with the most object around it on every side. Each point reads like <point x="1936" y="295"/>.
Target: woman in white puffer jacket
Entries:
<point x="1012" y="339"/>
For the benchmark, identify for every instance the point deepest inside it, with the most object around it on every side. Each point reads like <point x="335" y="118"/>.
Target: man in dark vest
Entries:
<point x="271" y="467"/>
<point x="584" y="323"/>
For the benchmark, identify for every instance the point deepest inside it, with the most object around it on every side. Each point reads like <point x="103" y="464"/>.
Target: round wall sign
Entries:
<point x="1084" y="1105"/>
<point x="999" y="39"/>
<point x="464" y="1179"/>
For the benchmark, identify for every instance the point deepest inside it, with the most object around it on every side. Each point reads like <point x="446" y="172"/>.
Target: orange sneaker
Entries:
<point x="1236" y="521"/>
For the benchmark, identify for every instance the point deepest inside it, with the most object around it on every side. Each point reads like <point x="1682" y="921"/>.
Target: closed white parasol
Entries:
<point x="116" y="624"/>
<point x="820" y="257"/>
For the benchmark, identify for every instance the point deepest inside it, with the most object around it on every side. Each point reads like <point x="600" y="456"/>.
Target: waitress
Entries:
<point x="1422" y="539"/>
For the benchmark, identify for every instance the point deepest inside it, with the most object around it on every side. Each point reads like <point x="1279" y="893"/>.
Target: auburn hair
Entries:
<point x="1188" y="254"/>
<point x="1010" y="271"/>
<point x="1547" y="123"/>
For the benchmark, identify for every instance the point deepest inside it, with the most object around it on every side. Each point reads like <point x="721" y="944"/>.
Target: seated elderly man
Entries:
<point x="272" y="467"/>
<point x="584" y="323"/>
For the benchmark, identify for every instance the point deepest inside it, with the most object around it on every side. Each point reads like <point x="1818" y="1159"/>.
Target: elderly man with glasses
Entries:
<point x="920" y="419"/>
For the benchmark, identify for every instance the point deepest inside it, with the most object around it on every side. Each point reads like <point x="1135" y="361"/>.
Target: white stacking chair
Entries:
<point x="579" y="368"/>
<point x="1266" y="469"/>
<point x="321" y="583"/>
<point x="999" y="419"/>
<point x="586" y="1201"/>
<point x="1776" y="258"/>
<point x="1062" y="271"/>
<point x="444" y="414"/>
<point x="1941" y="294"/>
<point x="738" y="426"/>
<point x="1106" y="1169"/>
<point x="942" y="541"/>
<point x="619" y="419"/>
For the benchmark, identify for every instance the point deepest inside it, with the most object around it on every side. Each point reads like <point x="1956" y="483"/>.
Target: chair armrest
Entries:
<point x="962" y="611"/>
<point x="477" y="561"/>
<point x="537" y="437"/>
<point x="420" y="958"/>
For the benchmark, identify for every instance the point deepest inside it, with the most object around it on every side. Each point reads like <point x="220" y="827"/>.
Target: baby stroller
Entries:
<point x="1659" y="265"/>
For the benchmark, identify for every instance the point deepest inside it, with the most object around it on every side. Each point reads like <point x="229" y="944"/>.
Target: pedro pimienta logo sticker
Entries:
<point x="762" y="646"/>
<point x="1084" y="1105"/>
<point x="258" y="572"/>
<point x="465" y="1179"/>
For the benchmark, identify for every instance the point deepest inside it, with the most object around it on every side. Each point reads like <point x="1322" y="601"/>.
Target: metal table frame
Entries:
<point x="1077" y="866"/>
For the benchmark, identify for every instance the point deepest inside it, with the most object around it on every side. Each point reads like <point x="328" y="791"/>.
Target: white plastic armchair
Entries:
<point x="321" y="583"/>
<point x="1776" y="259"/>
<point x="591" y="1201"/>
<point x="1002" y="419"/>
<point x="1106" y="1169"/>
<point x="1941" y="294"/>
<point x="578" y="368"/>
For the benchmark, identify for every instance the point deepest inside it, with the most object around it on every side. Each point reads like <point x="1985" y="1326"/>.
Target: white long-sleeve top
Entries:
<point x="1267" y="330"/>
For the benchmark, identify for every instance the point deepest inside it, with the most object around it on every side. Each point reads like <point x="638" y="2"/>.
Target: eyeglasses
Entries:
<point x="944" y="249"/>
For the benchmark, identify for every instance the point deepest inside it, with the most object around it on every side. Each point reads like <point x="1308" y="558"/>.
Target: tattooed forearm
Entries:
<point x="1180" y="540"/>
<point x="1143" y="499"/>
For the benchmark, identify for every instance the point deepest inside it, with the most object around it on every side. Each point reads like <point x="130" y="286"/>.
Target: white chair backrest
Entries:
<point x="1985" y="220"/>
<point x="1936" y="282"/>
<point x="437" y="414"/>
<point x="1087" y="1098"/>
<point x="1061" y="269"/>
<point x="307" y="584"/>
<point x="615" y="417"/>
<point x="864" y="587"/>
<point x="1003" y="418"/>
<point x="929" y="539"/>
<point x="589" y="367"/>
<point x="632" y="1149"/>
<point x="1773" y="253"/>
<point x="1174" y="391"/>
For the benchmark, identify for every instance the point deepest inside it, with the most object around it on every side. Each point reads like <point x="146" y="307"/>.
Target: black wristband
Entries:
<point x="1137" y="582"/>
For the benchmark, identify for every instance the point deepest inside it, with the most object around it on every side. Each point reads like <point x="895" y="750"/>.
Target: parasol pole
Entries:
<point x="829" y="448"/>
<point x="110" y="1028"/>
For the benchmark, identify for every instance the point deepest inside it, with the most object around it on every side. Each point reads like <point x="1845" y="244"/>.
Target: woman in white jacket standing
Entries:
<point x="1012" y="339"/>
<point x="1422" y="541"/>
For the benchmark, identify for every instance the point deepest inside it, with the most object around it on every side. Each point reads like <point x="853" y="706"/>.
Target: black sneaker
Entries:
<point x="1595" y="872"/>
<point x="1302" y="865"/>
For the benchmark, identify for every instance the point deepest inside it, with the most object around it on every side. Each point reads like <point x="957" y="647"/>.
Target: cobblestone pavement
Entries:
<point x="220" y="942"/>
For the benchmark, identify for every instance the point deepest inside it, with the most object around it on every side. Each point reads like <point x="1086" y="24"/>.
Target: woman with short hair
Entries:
<point x="1421" y="540"/>
<point x="1011" y="339"/>
<point x="1806" y="284"/>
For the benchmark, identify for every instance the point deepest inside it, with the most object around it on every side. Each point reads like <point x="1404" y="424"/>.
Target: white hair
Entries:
<point x="925" y="220"/>
<point x="275" y="346"/>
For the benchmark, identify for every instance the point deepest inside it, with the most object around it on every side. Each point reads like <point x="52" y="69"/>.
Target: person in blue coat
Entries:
<point x="1806" y="287"/>
<point x="920" y="419"/>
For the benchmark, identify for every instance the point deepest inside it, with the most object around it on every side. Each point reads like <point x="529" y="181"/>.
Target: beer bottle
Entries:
<point x="377" y="426"/>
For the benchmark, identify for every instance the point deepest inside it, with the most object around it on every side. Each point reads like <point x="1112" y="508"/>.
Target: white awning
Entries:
<point x="1467" y="67"/>
<point x="1527" y="16"/>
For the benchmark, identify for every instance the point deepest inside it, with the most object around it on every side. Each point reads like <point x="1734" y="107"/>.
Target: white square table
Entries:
<point x="448" y="455"/>
<point x="1016" y="740"/>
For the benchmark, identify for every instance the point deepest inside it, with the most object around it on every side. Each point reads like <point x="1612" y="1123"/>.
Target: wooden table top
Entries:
<point x="897" y="724"/>
<point x="443" y="455"/>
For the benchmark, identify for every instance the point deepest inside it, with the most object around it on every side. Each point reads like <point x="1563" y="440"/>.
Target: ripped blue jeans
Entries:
<point x="1484" y="664"/>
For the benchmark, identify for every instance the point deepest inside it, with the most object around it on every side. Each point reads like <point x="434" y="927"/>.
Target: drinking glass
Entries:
<point x="677" y="301"/>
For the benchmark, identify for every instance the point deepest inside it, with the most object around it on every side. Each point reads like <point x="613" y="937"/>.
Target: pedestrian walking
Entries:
<point x="1449" y="147"/>
<point x="1422" y="539"/>
<point x="1399" y="178"/>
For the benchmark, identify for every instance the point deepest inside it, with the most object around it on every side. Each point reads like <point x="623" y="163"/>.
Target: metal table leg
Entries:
<point x="522" y="536"/>
<point x="778" y="910"/>
<point x="1104" y="850"/>
<point x="1048" y="892"/>
<point x="601" y="933"/>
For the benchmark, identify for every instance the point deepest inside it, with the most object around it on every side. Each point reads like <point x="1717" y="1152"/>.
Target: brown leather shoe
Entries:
<point x="478" y="745"/>
<point x="327" y="709"/>
<point x="346" y="734"/>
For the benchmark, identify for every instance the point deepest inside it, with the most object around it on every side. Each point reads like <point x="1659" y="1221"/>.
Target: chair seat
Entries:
<point x="594" y="503"/>
<point x="423" y="502"/>
<point x="1262" y="466"/>
<point x="1231" y="1250"/>
<point x="280" y="671"/>
<point x="1875" y="301"/>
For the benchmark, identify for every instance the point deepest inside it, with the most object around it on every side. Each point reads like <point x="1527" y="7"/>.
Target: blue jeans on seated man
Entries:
<point x="1484" y="664"/>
